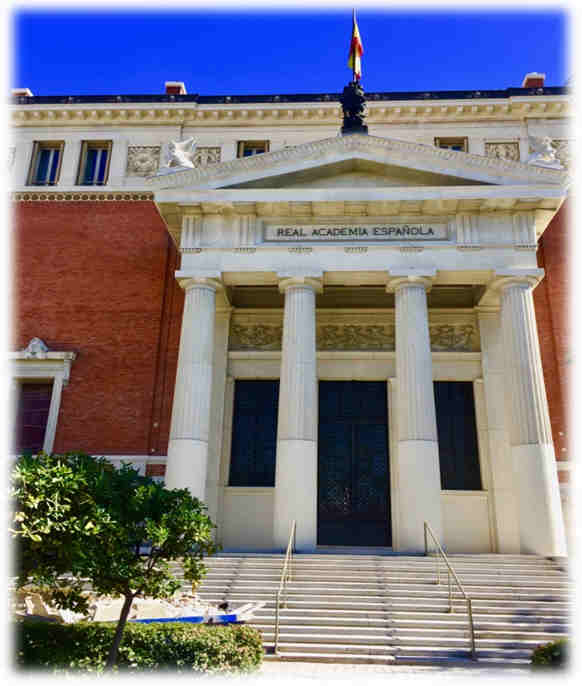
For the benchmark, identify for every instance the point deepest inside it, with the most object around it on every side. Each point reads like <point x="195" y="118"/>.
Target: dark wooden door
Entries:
<point x="32" y="411"/>
<point x="353" y="479"/>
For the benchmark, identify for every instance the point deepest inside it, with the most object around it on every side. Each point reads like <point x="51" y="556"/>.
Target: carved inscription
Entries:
<point x="365" y="232"/>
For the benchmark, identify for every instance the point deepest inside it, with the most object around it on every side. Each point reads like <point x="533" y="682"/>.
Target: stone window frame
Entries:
<point x="241" y="146"/>
<point x="87" y="145"/>
<point x="37" y="363"/>
<point x="37" y="148"/>
<point x="446" y="142"/>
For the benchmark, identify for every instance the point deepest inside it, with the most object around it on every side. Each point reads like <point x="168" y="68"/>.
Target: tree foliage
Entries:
<point x="78" y="519"/>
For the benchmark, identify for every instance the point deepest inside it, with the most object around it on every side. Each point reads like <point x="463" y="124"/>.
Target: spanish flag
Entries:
<point x="356" y="51"/>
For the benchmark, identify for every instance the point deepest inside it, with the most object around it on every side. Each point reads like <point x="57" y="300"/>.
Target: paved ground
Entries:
<point x="283" y="673"/>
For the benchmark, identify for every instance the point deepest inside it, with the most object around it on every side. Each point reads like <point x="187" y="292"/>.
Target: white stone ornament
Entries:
<point x="543" y="153"/>
<point x="36" y="349"/>
<point x="181" y="153"/>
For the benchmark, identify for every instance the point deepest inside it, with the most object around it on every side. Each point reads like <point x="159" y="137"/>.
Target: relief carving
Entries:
<point x="503" y="151"/>
<point x="377" y="337"/>
<point x="255" y="337"/>
<point x="563" y="152"/>
<point x="448" y="337"/>
<point x="355" y="337"/>
<point x="205" y="156"/>
<point x="142" y="160"/>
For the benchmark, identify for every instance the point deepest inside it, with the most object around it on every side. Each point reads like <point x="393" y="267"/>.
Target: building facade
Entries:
<point x="340" y="330"/>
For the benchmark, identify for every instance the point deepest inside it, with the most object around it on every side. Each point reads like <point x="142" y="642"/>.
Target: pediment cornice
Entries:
<point x="387" y="151"/>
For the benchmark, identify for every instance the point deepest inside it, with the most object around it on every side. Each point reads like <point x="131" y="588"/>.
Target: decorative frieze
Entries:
<point x="503" y="150"/>
<point x="355" y="337"/>
<point x="355" y="331"/>
<point x="453" y="338"/>
<point x="142" y="160"/>
<point x="81" y="197"/>
<point x="255" y="337"/>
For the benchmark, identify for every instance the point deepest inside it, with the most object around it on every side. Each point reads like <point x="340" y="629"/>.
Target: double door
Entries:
<point x="353" y="477"/>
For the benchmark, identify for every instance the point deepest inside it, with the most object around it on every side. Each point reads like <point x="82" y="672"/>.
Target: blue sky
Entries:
<point x="229" y="52"/>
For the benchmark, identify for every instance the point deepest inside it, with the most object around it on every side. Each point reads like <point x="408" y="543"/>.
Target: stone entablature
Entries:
<point x="277" y="114"/>
<point x="354" y="330"/>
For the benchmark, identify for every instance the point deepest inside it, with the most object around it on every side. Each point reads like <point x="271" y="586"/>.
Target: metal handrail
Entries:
<point x="285" y="577"/>
<point x="451" y="572"/>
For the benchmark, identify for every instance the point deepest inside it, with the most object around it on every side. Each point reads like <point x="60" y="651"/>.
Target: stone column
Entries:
<point x="296" y="468"/>
<point x="419" y="481"/>
<point x="188" y="446"/>
<point x="502" y="489"/>
<point x="220" y="363"/>
<point x="541" y="526"/>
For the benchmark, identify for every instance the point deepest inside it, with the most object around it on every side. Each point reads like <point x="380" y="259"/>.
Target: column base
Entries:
<point x="296" y="494"/>
<point x="419" y="494"/>
<point x="541" y="524"/>
<point x="186" y="466"/>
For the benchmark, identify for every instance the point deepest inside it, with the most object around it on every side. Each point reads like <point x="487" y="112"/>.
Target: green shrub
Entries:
<point x="554" y="654"/>
<point x="177" y="646"/>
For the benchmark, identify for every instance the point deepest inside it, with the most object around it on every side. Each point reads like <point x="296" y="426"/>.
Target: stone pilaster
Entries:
<point x="502" y="488"/>
<point x="188" y="447"/>
<point x="419" y="483"/>
<point x="296" y="470"/>
<point x="540" y="512"/>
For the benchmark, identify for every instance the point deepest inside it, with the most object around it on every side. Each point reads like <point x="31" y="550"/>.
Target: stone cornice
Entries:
<point x="285" y="113"/>
<point x="382" y="150"/>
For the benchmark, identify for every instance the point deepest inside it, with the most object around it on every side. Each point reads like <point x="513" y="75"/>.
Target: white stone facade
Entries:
<point x="390" y="212"/>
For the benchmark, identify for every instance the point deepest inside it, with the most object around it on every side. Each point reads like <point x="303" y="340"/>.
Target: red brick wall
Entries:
<point x="551" y="299"/>
<point x="97" y="278"/>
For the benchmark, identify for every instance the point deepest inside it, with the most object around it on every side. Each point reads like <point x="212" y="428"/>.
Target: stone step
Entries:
<point x="382" y="603"/>
<point x="455" y="622"/>
<point x="403" y="635"/>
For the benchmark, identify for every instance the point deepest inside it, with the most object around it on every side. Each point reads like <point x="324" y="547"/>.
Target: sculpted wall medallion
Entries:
<point x="503" y="151"/>
<point x="563" y="150"/>
<point x="142" y="160"/>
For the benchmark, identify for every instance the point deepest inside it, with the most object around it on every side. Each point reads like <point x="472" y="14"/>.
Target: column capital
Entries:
<point x="516" y="277"/>
<point x="397" y="281"/>
<point x="190" y="282"/>
<point x="288" y="281"/>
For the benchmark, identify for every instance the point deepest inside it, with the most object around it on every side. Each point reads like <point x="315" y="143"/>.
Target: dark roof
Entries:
<point x="292" y="97"/>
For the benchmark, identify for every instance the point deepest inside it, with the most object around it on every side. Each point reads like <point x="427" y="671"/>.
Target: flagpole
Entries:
<point x="352" y="47"/>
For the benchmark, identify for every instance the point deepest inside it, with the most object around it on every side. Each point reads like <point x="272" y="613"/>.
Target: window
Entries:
<point x="45" y="165"/>
<point x="248" y="148"/>
<point x="254" y="433"/>
<point x="457" y="436"/>
<point x="460" y="144"/>
<point x="94" y="163"/>
<point x="32" y="411"/>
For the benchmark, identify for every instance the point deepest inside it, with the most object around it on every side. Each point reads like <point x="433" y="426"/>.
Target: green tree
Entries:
<point x="78" y="519"/>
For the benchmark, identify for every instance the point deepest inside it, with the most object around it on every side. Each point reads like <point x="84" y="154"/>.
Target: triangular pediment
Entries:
<point x="356" y="161"/>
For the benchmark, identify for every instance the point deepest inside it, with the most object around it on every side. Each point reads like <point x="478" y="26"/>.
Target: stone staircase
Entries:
<point x="388" y="608"/>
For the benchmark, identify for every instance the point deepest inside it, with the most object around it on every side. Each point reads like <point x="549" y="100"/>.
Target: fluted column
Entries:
<point x="541" y="525"/>
<point x="296" y="469"/>
<point x="502" y="490"/>
<point x="188" y="446"/>
<point x="419" y="482"/>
